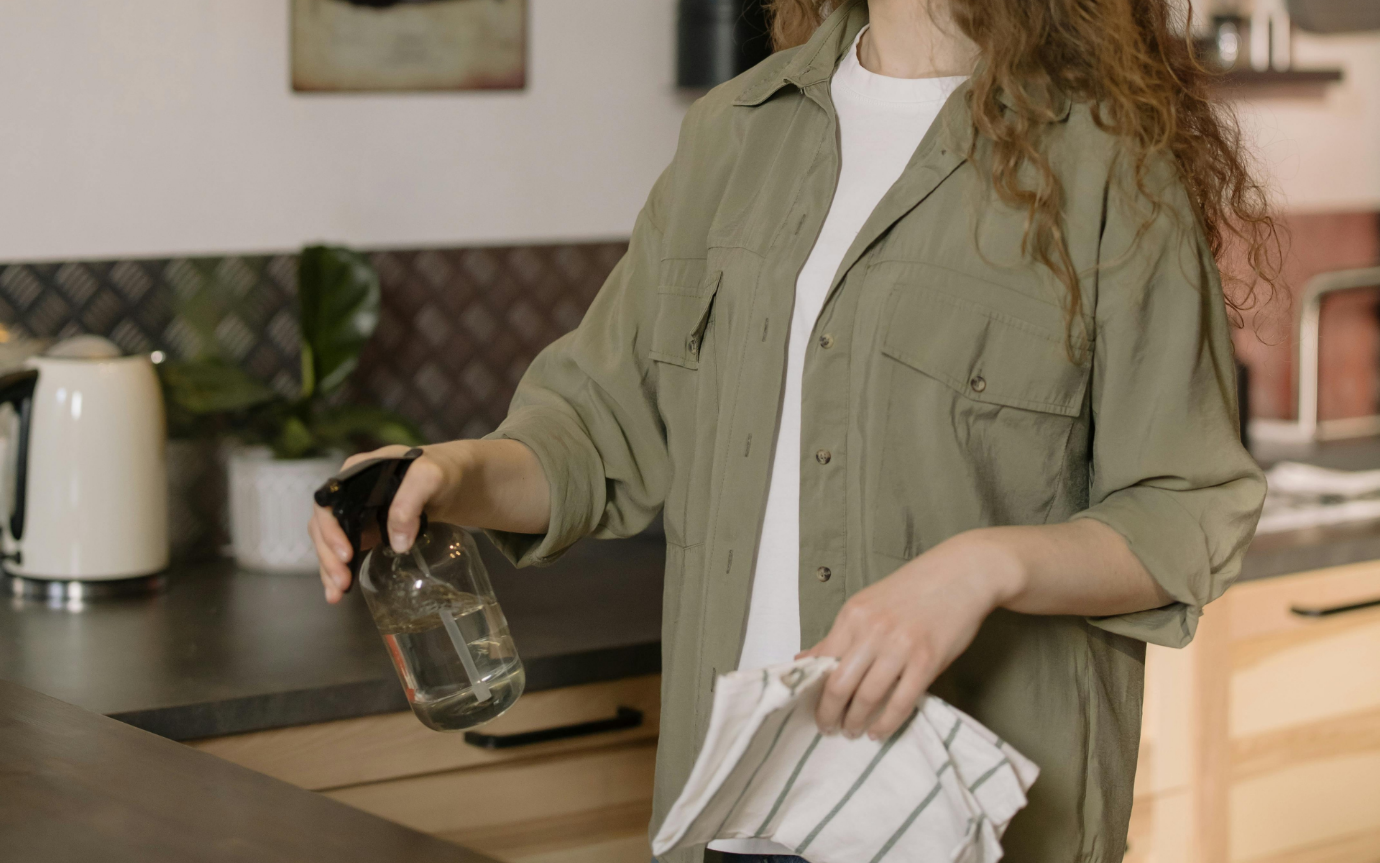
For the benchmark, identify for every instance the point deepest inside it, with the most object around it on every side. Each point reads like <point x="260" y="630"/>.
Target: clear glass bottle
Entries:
<point x="444" y="629"/>
<point x="434" y="605"/>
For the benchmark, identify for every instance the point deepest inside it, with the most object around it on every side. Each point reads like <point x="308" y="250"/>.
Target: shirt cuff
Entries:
<point x="574" y="474"/>
<point x="1171" y="545"/>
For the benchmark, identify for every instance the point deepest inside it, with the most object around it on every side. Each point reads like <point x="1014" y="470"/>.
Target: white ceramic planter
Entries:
<point x="270" y="506"/>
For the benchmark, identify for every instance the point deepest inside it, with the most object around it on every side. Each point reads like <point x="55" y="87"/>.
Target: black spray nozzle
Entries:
<point x="364" y="492"/>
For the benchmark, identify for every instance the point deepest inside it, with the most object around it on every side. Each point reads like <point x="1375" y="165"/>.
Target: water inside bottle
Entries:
<point x="434" y="672"/>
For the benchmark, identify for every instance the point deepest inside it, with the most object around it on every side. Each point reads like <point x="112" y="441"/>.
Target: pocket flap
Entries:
<point x="983" y="354"/>
<point x="681" y="320"/>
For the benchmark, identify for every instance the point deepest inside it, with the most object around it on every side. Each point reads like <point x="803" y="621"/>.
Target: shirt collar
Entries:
<point x="817" y="58"/>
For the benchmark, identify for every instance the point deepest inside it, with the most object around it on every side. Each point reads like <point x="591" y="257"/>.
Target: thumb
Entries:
<point x="404" y="516"/>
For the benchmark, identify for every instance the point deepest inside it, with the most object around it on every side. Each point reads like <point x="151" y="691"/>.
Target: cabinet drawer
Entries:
<point x="374" y="748"/>
<point x="1302" y="808"/>
<point x="1289" y="669"/>
<point x="1262" y="608"/>
<point x="1311" y="676"/>
<point x="615" y="834"/>
<point x="560" y="796"/>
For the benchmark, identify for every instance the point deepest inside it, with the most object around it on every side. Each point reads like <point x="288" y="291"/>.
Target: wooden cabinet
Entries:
<point x="1261" y="744"/>
<point x="585" y="799"/>
<point x="1261" y="740"/>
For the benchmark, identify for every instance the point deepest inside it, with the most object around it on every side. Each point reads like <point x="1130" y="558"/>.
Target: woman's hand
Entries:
<point x="426" y="479"/>
<point x="894" y="637"/>
<point x="497" y="484"/>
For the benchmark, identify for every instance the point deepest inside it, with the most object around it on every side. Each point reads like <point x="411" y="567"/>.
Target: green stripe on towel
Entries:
<point x="905" y="825"/>
<point x="876" y="759"/>
<point x="953" y="732"/>
<point x="781" y="798"/>
<point x="988" y="775"/>
<point x="720" y="829"/>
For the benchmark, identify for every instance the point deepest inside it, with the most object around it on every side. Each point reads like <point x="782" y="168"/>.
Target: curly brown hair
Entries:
<point x="1143" y="85"/>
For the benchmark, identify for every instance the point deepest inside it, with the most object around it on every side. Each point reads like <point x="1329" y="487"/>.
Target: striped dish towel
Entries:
<point x="940" y="790"/>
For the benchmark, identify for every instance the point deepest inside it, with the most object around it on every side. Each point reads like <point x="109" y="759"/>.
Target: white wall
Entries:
<point x="152" y="127"/>
<point x="1324" y="150"/>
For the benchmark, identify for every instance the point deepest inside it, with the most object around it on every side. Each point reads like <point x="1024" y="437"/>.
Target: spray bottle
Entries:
<point x="433" y="604"/>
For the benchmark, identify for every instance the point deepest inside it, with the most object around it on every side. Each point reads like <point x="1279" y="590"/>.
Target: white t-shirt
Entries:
<point x="881" y="122"/>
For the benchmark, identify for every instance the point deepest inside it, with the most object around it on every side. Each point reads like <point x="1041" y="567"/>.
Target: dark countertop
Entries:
<point x="1311" y="548"/>
<point x="224" y="651"/>
<point x="78" y="786"/>
<point x="1316" y="547"/>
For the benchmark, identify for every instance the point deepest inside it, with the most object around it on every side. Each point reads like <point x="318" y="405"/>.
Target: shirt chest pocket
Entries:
<point x="982" y="354"/>
<point x="982" y="411"/>
<point x="682" y="320"/>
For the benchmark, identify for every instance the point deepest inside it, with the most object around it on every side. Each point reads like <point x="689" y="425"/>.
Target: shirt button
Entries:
<point x="977" y="383"/>
<point x="823" y="456"/>
<point x="826" y="341"/>
<point x="823" y="573"/>
<point x="694" y="345"/>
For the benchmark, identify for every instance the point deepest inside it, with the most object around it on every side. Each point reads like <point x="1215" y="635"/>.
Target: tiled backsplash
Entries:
<point x="460" y="326"/>
<point x="457" y="327"/>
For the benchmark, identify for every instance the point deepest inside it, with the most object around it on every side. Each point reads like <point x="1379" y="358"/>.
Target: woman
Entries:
<point x="920" y="345"/>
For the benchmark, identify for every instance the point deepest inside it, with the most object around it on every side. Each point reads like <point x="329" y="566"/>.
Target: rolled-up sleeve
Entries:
<point x="587" y="408"/>
<point x="1169" y="472"/>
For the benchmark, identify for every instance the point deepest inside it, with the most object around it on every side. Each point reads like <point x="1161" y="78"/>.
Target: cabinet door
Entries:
<point x="1261" y="739"/>
<point x="1304" y="718"/>
<point x="583" y="799"/>
<point x="559" y="807"/>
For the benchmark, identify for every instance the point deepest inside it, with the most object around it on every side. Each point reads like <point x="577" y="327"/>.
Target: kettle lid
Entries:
<point x="85" y="348"/>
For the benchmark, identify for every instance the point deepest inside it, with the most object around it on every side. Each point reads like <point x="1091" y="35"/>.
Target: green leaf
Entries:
<point x="295" y="440"/>
<point x="208" y="386"/>
<point x="339" y="295"/>
<point x="341" y="427"/>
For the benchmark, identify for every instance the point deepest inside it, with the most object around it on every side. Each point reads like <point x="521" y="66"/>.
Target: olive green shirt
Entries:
<point x="940" y="380"/>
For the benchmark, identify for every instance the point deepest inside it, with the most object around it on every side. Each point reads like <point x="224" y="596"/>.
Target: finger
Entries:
<point x="332" y="534"/>
<point x="872" y="692"/>
<point x="333" y="593"/>
<point x="842" y="683"/>
<point x="327" y="579"/>
<point x="334" y="574"/>
<point x="902" y="703"/>
<point x="327" y="555"/>
<point x="421" y="483"/>
<point x="390" y="451"/>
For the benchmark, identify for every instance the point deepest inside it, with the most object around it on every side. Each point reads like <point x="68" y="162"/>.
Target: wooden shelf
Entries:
<point x="1250" y="78"/>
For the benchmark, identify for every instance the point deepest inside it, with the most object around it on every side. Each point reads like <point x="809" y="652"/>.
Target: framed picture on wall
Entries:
<point x="401" y="45"/>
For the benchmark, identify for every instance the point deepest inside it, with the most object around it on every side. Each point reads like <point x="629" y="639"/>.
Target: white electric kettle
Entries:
<point x="87" y="472"/>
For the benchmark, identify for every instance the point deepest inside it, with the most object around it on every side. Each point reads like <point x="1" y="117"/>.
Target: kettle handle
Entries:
<point x="17" y="389"/>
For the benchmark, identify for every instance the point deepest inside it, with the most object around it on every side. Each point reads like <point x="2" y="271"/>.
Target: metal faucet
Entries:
<point x="1308" y="428"/>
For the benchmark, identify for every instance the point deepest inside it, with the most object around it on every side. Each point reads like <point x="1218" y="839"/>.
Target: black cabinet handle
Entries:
<point x="626" y="717"/>
<point x="1335" y="609"/>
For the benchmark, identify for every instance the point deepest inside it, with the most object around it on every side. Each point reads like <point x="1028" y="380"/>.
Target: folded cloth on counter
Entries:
<point x="1292" y="477"/>
<point x="1304" y="495"/>
<point x="942" y="788"/>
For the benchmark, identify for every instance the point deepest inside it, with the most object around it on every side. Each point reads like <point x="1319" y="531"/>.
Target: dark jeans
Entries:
<point x="723" y="857"/>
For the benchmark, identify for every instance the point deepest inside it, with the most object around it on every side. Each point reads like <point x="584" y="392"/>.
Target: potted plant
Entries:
<point x="286" y="446"/>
